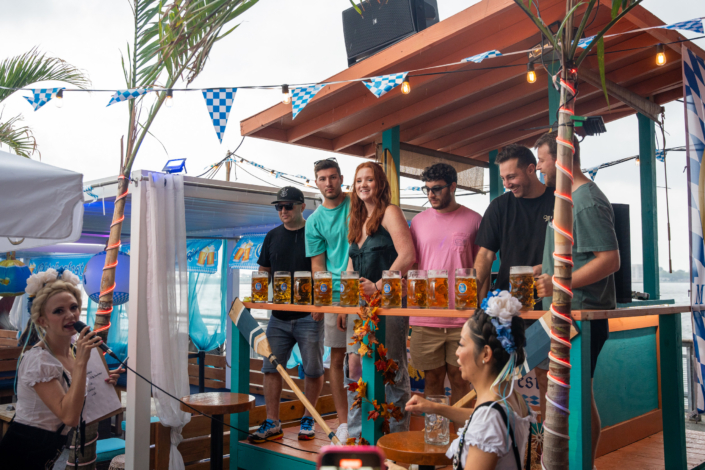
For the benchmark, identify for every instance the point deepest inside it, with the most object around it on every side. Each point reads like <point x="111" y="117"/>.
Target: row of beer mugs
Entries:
<point x="304" y="291"/>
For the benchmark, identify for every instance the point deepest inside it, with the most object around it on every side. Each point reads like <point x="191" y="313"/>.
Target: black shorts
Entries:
<point x="599" y="334"/>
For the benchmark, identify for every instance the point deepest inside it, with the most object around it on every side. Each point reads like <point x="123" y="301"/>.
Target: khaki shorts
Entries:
<point x="334" y="338"/>
<point x="432" y="348"/>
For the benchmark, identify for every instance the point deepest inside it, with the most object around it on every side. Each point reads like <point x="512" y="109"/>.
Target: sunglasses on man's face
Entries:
<point x="435" y="190"/>
<point x="289" y="206"/>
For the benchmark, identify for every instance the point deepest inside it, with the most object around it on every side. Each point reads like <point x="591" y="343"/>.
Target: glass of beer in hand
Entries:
<point x="465" y="289"/>
<point x="322" y="288"/>
<point x="302" y="288"/>
<point x="417" y="289"/>
<point x="260" y="287"/>
<point x="391" y="289"/>
<point x="281" y="287"/>
<point x="437" y="289"/>
<point x="521" y="285"/>
<point x="349" y="289"/>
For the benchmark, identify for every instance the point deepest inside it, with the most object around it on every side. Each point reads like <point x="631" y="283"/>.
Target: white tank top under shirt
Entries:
<point x="38" y="365"/>
<point x="488" y="432"/>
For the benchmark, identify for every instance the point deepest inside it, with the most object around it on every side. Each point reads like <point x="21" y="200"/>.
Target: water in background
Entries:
<point x="678" y="291"/>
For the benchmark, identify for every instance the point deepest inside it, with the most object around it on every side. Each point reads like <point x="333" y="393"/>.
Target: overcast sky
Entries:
<point x="279" y="41"/>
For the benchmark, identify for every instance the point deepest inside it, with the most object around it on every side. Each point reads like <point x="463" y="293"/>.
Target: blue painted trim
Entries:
<point x="580" y="400"/>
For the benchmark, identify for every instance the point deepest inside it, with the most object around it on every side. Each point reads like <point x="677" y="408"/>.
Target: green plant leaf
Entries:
<point x="601" y="66"/>
<point x="539" y="24"/>
<point x="581" y="28"/>
<point x="604" y="30"/>
<point x="615" y="7"/>
<point x="357" y="9"/>
<point x="19" y="139"/>
<point x="567" y="17"/>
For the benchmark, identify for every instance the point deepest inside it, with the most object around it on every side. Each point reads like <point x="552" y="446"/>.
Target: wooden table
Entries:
<point x="216" y="405"/>
<point x="410" y="447"/>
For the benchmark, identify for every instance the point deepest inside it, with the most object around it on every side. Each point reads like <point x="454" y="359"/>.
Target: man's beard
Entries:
<point x="334" y="195"/>
<point x="443" y="203"/>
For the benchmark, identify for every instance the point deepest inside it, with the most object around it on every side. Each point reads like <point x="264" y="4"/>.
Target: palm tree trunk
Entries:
<point x="555" y="453"/>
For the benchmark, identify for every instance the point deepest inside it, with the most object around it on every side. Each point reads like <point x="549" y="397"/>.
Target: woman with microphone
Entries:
<point x="51" y="380"/>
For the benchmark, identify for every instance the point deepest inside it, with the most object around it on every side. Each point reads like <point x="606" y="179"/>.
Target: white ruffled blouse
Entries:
<point x="488" y="432"/>
<point x="38" y="365"/>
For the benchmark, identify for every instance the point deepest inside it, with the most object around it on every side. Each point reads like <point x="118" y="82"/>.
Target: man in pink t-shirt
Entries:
<point x="444" y="238"/>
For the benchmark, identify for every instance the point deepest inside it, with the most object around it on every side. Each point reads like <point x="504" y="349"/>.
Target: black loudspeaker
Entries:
<point x="623" y="277"/>
<point x="383" y="24"/>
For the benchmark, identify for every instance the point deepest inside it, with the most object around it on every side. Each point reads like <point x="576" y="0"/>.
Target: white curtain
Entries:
<point x="167" y="302"/>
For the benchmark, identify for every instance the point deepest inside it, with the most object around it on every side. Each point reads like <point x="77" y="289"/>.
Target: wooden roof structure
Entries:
<point x="476" y="110"/>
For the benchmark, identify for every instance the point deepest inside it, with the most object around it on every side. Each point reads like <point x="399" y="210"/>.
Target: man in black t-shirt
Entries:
<point x="284" y="249"/>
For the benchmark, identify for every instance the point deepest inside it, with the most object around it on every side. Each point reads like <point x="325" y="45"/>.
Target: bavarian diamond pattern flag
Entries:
<point x="593" y="172"/>
<point x="384" y="83"/>
<point x="301" y="96"/>
<point x="584" y="43"/>
<point x="660" y="156"/>
<point x="695" y="26"/>
<point x="124" y="95"/>
<point x="42" y="96"/>
<point x="480" y="57"/>
<point x="219" y="101"/>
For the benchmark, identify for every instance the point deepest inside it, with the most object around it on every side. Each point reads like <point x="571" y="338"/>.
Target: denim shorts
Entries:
<point x="283" y="335"/>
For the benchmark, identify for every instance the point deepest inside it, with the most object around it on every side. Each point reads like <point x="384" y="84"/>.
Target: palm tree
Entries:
<point x="565" y="42"/>
<point x="172" y="42"/>
<point x="21" y="71"/>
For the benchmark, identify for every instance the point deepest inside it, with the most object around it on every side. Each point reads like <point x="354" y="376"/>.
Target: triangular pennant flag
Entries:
<point x="129" y="94"/>
<point x="695" y="26"/>
<point x="480" y="57"/>
<point x="42" y="96"/>
<point x="584" y="43"/>
<point x="384" y="83"/>
<point x="219" y="101"/>
<point x="660" y="156"/>
<point x="301" y="96"/>
<point x="593" y="172"/>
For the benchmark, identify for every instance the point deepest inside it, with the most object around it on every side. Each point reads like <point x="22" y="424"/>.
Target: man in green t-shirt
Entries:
<point x="595" y="254"/>
<point x="327" y="246"/>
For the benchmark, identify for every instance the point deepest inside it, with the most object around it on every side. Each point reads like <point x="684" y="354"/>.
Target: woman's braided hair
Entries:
<point x="483" y="333"/>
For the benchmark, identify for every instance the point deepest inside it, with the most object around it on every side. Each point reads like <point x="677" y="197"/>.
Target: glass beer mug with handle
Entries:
<point x="521" y="285"/>
<point x="260" y="286"/>
<point x="322" y="288"/>
<point x="438" y="289"/>
<point x="391" y="289"/>
<point x="437" y="430"/>
<point x="303" y="288"/>
<point x="349" y="289"/>
<point x="465" y="289"/>
<point x="281" y="287"/>
<point x="417" y="289"/>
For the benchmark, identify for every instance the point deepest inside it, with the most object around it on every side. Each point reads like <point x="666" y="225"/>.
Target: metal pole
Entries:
<point x="201" y="371"/>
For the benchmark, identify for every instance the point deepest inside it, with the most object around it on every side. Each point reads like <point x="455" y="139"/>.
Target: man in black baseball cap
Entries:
<point x="284" y="249"/>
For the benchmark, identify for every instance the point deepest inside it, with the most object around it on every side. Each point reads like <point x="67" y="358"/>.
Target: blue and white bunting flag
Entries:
<point x="585" y="42"/>
<point x="124" y="95"/>
<point x="480" y="57"/>
<point x="593" y="172"/>
<point x="219" y="101"/>
<point x="695" y="26"/>
<point x="41" y="96"/>
<point x="384" y="83"/>
<point x="660" y="156"/>
<point x="301" y="96"/>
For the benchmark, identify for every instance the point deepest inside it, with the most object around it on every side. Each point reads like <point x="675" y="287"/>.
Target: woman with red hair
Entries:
<point x="380" y="240"/>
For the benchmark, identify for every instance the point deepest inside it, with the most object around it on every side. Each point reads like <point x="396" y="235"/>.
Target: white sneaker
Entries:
<point x="342" y="433"/>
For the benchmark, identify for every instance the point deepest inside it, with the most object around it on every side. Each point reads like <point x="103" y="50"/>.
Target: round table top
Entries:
<point x="216" y="403"/>
<point x="410" y="447"/>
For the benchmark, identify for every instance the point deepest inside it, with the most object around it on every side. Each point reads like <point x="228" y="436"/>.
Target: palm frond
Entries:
<point x="627" y="8"/>
<point x="19" y="139"/>
<point x="33" y="66"/>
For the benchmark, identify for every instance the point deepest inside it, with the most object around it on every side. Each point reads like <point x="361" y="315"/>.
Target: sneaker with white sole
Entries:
<point x="269" y="431"/>
<point x="342" y="433"/>
<point x="307" y="433"/>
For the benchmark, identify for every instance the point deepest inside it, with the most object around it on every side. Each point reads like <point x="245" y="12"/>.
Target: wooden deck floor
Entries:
<point x="646" y="454"/>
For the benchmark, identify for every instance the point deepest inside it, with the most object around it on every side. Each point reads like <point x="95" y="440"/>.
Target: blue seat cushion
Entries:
<point x="153" y="419"/>
<point x="107" y="449"/>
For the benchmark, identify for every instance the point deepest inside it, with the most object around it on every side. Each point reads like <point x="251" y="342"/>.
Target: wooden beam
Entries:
<point x="626" y="96"/>
<point x="442" y="155"/>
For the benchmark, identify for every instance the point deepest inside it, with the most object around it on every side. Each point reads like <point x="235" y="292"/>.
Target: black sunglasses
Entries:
<point x="435" y="190"/>
<point x="325" y="159"/>
<point x="288" y="206"/>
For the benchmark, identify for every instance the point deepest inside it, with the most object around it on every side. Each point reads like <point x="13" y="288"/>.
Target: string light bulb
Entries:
<point x="60" y="99"/>
<point x="169" y="99"/>
<point x="530" y="73"/>
<point x="636" y="161"/>
<point x="406" y="86"/>
<point x="287" y="96"/>
<point x="660" y="55"/>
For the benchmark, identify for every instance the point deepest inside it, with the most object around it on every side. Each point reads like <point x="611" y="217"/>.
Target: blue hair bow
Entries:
<point x="504" y="335"/>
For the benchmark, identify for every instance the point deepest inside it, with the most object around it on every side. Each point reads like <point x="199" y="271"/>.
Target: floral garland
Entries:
<point x="366" y="327"/>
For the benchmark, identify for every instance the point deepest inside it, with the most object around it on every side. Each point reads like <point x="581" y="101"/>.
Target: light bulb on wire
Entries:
<point x="406" y="86"/>
<point x="636" y="161"/>
<point x="287" y="96"/>
<point x="530" y="73"/>
<point x="660" y="55"/>
<point x="59" y="99"/>
<point x="169" y="99"/>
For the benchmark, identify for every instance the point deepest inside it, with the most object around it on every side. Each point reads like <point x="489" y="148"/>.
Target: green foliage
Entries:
<point x="18" y="138"/>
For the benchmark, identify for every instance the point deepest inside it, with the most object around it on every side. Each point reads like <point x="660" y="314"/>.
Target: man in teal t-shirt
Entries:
<point x="327" y="246"/>
<point x="595" y="255"/>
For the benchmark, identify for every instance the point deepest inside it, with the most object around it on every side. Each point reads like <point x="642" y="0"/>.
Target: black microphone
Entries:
<point x="79" y="326"/>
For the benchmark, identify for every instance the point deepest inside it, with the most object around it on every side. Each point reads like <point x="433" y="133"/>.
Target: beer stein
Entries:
<point x="302" y="288"/>
<point x="521" y="285"/>
<point x="437" y="289"/>
<point x="281" y="287"/>
<point x="417" y="289"/>
<point x="322" y="288"/>
<point x="465" y="289"/>
<point x="391" y="289"/>
<point x="349" y="289"/>
<point x="260" y="287"/>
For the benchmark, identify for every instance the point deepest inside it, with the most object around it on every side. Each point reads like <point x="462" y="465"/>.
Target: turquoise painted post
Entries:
<point x="580" y="401"/>
<point x="649" y="215"/>
<point x="239" y="383"/>
<point x="672" y="391"/>
<point x="496" y="190"/>
<point x="372" y="430"/>
<point x="554" y="96"/>
<point x="390" y="141"/>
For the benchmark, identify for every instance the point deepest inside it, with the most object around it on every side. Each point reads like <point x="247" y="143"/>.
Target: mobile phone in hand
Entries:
<point x="351" y="458"/>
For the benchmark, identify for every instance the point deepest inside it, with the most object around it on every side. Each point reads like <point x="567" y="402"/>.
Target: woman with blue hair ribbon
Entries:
<point x="491" y="347"/>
